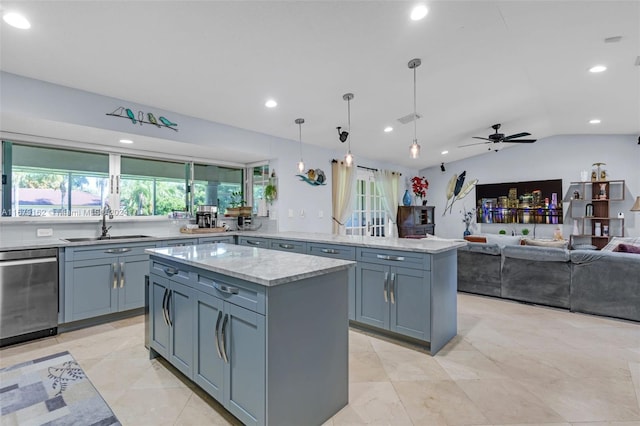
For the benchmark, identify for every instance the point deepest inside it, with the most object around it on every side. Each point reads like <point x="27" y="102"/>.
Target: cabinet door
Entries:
<point x="181" y="314"/>
<point x="208" y="369"/>
<point x="410" y="302"/>
<point x="91" y="288"/>
<point x="372" y="303"/>
<point x="131" y="281"/>
<point x="244" y="378"/>
<point x="158" y="323"/>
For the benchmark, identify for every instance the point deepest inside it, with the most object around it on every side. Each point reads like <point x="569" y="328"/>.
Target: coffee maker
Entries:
<point x="207" y="216"/>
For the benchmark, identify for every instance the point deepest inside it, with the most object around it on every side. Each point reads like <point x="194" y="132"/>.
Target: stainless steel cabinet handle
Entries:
<point x="164" y="306"/>
<point x="224" y="338"/>
<point x="121" y="274"/>
<point x="392" y="290"/>
<point x="118" y="250"/>
<point x="226" y="288"/>
<point x="388" y="257"/>
<point x="114" y="271"/>
<point x="111" y="184"/>
<point x="330" y="251"/>
<point x="286" y="246"/>
<point x="171" y="271"/>
<point x="117" y="184"/>
<point x="386" y="283"/>
<point x="169" y="308"/>
<point x="254" y="243"/>
<point x="218" y="334"/>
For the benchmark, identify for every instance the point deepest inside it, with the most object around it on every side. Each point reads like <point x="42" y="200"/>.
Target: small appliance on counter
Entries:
<point x="207" y="216"/>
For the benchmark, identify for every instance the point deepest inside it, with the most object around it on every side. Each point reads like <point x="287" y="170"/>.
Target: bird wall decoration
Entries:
<point x="128" y="113"/>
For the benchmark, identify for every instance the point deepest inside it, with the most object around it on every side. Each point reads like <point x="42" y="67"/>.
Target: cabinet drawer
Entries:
<point x="289" y="245"/>
<point x="406" y="259"/>
<point x="253" y="242"/>
<point x="178" y="243"/>
<point x="332" y="250"/>
<point x="173" y="271"/>
<point x="105" y="251"/>
<point x="232" y="290"/>
<point x="229" y="239"/>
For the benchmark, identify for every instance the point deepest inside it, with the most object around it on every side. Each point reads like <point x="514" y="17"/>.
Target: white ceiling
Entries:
<point x="520" y="63"/>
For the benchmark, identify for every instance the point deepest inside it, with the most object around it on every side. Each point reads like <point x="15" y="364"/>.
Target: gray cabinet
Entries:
<point x="336" y="251"/>
<point x="394" y="292"/>
<point x="171" y="322"/>
<point x="178" y="243"/>
<point x="254" y="242"/>
<point x="229" y="239"/>
<point x="104" y="279"/>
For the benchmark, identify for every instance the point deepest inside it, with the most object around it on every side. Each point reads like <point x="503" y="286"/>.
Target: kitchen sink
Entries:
<point x="111" y="238"/>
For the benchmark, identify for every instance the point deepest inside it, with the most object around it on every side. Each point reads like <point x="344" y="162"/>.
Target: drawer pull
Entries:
<point x="286" y="246"/>
<point x="392" y="290"/>
<point x="226" y="289"/>
<point x="224" y="339"/>
<point x="171" y="271"/>
<point x="118" y="250"/>
<point x="254" y="243"/>
<point x="388" y="257"/>
<point x="217" y="334"/>
<point x="114" y="271"/>
<point x="122" y="274"/>
<point x="164" y="306"/>
<point x="330" y="251"/>
<point x="386" y="284"/>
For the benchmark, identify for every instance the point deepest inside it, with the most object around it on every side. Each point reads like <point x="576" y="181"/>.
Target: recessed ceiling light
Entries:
<point x="597" y="68"/>
<point x="16" y="20"/>
<point x="388" y="129"/>
<point x="419" y="12"/>
<point x="445" y="152"/>
<point x="594" y="121"/>
<point x="271" y="103"/>
<point x="126" y="141"/>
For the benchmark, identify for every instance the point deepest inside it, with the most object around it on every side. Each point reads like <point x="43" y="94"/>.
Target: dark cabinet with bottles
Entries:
<point x="415" y="220"/>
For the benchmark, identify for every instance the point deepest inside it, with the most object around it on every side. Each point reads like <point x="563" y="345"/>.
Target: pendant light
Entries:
<point x="299" y="122"/>
<point x="414" y="150"/>
<point x="349" y="157"/>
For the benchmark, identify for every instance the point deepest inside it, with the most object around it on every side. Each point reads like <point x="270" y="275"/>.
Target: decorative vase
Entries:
<point x="466" y="231"/>
<point x="406" y="198"/>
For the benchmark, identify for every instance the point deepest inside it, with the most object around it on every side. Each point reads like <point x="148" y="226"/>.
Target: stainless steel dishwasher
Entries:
<point x="28" y="294"/>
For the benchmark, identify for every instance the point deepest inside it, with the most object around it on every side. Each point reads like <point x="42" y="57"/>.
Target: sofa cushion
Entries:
<point x="540" y="254"/>
<point x="627" y="248"/>
<point x="547" y="243"/>
<point x="634" y="241"/>
<point x="503" y="240"/>
<point x="492" y="249"/>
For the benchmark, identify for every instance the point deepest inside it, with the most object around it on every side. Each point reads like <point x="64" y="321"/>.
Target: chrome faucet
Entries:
<point x="106" y="211"/>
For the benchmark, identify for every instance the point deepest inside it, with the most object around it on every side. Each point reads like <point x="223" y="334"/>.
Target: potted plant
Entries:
<point x="270" y="192"/>
<point x="237" y="205"/>
<point x="502" y="232"/>
<point x="525" y="231"/>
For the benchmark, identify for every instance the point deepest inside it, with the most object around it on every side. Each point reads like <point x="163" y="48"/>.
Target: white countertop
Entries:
<point x="424" y="245"/>
<point x="260" y="266"/>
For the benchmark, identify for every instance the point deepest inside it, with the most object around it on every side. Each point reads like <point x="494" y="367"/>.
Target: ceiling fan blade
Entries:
<point x="472" y="144"/>
<point x="521" y="141"/>
<point x="517" y="135"/>
<point x="484" y="139"/>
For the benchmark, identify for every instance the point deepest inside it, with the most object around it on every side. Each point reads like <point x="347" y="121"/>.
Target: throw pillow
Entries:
<point x="627" y="248"/>
<point x="475" y="238"/>
<point x="634" y="241"/>
<point x="547" y="243"/>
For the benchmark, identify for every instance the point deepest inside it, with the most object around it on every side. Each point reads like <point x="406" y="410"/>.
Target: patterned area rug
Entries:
<point x="52" y="391"/>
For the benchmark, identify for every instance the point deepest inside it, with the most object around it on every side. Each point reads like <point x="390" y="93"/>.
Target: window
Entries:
<point x="368" y="217"/>
<point x="260" y="179"/>
<point x="51" y="181"/>
<point x="214" y="185"/>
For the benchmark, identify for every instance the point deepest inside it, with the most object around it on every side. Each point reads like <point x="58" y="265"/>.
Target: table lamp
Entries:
<point x="636" y="205"/>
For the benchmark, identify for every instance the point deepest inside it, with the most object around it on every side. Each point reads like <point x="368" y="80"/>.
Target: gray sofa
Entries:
<point x="594" y="282"/>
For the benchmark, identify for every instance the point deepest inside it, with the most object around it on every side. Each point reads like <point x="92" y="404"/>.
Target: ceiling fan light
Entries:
<point x="419" y="12"/>
<point x="414" y="150"/>
<point x="16" y="20"/>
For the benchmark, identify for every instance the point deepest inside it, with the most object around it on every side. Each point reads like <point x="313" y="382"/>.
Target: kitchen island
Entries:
<point x="263" y="332"/>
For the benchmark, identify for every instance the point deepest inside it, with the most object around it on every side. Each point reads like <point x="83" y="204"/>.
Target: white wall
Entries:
<point x="40" y="101"/>
<point x="557" y="157"/>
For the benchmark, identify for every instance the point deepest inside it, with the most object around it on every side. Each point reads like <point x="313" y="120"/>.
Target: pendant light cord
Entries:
<point x="415" y="115"/>
<point x="349" y="121"/>
<point x="300" y="139"/>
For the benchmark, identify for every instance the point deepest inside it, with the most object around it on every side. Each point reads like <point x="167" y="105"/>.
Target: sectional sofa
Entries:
<point x="595" y="282"/>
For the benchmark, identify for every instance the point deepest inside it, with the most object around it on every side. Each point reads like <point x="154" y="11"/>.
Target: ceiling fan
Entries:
<point x="500" y="137"/>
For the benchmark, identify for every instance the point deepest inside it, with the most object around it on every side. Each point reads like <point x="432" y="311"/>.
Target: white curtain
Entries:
<point x="387" y="182"/>
<point x="343" y="183"/>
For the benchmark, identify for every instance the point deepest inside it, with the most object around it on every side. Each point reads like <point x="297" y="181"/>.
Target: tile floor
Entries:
<point x="510" y="364"/>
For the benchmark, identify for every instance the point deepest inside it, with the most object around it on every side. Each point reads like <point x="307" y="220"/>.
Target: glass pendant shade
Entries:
<point x="300" y="165"/>
<point x="415" y="149"/>
<point x="348" y="159"/>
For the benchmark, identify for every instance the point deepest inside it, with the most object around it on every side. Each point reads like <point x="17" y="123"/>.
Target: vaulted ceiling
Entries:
<point x="520" y="63"/>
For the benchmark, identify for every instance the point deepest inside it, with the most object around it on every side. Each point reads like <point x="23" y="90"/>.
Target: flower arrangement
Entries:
<point x="419" y="186"/>
<point x="467" y="216"/>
